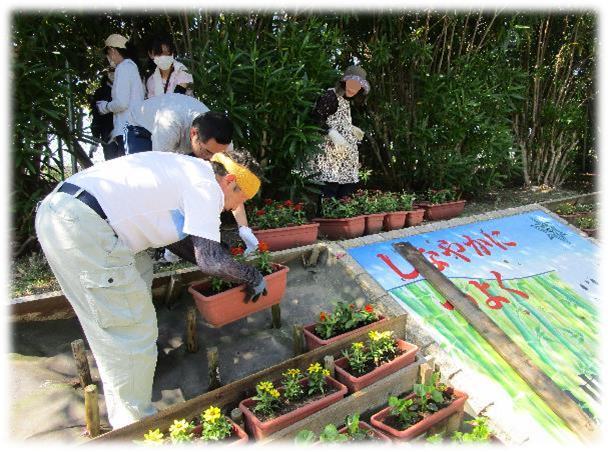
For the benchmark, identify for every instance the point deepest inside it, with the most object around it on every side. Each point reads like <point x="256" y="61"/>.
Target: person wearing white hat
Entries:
<point x="337" y="166"/>
<point x="127" y="89"/>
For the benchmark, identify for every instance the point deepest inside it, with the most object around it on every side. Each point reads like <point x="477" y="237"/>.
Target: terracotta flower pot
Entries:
<point x="288" y="237"/>
<point x="228" y="306"/>
<point x="377" y="420"/>
<point x="313" y="341"/>
<point x="355" y="384"/>
<point x="572" y="219"/>
<point x="263" y="429"/>
<point x="414" y="217"/>
<point x="373" y="223"/>
<point x="394" y="220"/>
<point x="240" y="436"/>
<point x="341" y="228"/>
<point x="386" y="441"/>
<point x="443" y="211"/>
<point x="590" y="232"/>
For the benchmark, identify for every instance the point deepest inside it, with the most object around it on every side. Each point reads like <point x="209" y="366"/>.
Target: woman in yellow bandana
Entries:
<point x="95" y="228"/>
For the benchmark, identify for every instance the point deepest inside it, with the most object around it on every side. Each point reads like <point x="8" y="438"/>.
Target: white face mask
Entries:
<point x="164" y="62"/>
<point x="111" y="62"/>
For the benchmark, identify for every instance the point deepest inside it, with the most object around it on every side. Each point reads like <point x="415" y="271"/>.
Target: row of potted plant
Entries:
<point x="581" y="215"/>
<point x="212" y="427"/>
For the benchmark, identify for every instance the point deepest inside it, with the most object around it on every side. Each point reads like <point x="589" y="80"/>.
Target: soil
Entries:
<point x="288" y="408"/>
<point x="371" y="366"/>
<point x="394" y="422"/>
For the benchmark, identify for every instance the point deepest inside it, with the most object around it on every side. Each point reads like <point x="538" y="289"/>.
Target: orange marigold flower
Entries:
<point x="263" y="247"/>
<point x="369" y="308"/>
<point x="323" y="317"/>
<point x="237" y="250"/>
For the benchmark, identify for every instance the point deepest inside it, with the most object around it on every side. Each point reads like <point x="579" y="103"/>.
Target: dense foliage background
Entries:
<point x="465" y="99"/>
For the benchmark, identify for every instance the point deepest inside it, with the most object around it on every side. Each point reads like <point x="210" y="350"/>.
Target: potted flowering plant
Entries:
<point x="283" y="225"/>
<point x="212" y="427"/>
<point x="273" y="409"/>
<point x="429" y="404"/>
<point x="480" y="438"/>
<point x="361" y="366"/>
<point x="341" y="219"/>
<point x="568" y="212"/>
<point x="588" y="225"/>
<point x="344" y="321"/>
<point x="354" y="430"/>
<point x="373" y="204"/>
<point x="442" y="204"/>
<point x="222" y="302"/>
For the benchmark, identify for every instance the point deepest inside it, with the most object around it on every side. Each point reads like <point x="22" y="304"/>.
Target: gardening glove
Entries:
<point x="336" y="138"/>
<point x="250" y="240"/>
<point x="253" y="293"/>
<point x="359" y="134"/>
<point x="102" y="106"/>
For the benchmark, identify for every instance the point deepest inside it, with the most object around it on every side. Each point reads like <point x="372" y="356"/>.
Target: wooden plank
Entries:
<point x="374" y="396"/>
<point x="552" y="394"/>
<point x="230" y="395"/>
<point x="53" y="305"/>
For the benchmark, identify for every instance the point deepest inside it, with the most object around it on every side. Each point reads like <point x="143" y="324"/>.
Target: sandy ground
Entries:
<point x="46" y="403"/>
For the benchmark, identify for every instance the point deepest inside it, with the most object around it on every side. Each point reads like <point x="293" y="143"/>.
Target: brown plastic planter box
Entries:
<point x="377" y="420"/>
<point x="355" y="384"/>
<point x="289" y="237"/>
<point x="241" y="436"/>
<point x="341" y="228"/>
<point x="363" y="426"/>
<point x="414" y="217"/>
<point x="313" y="341"/>
<point x="373" y="223"/>
<point x="228" y="306"/>
<point x="263" y="429"/>
<point x="394" y="220"/>
<point x="443" y="211"/>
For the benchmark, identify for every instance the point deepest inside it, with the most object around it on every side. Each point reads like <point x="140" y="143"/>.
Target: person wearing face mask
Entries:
<point x="337" y="165"/>
<point x="102" y="125"/>
<point x="169" y="75"/>
<point x="127" y="89"/>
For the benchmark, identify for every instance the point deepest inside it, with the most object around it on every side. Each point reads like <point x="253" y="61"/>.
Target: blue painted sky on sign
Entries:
<point x="523" y="245"/>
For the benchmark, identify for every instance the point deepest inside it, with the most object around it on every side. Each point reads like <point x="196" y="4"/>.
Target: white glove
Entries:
<point x="337" y="138"/>
<point x="102" y="106"/>
<point x="250" y="240"/>
<point x="359" y="134"/>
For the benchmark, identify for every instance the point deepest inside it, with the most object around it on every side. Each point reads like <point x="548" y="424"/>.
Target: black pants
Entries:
<point x="334" y="190"/>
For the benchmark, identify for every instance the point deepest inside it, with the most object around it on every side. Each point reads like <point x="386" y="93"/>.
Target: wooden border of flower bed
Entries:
<point x="228" y="397"/>
<point x="54" y="305"/>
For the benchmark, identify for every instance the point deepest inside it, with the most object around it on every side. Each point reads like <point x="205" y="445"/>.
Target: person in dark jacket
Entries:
<point x="102" y="125"/>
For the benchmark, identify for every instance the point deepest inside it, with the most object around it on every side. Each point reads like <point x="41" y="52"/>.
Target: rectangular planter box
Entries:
<point x="263" y="429"/>
<point x="313" y="341"/>
<point x="355" y="384"/>
<point x="414" y="217"/>
<point x="289" y="237"/>
<point x="394" y="220"/>
<point x="241" y="436"/>
<point x="443" y="211"/>
<point x="341" y="228"/>
<point x="362" y="426"/>
<point x="374" y="223"/>
<point x="377" y="420"/>
<point x="228" y="306"/>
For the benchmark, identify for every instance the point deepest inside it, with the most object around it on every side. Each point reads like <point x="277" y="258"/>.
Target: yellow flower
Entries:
<point x="212" y="414"/>
<point x="374" y="335"/>
<point x="265" y="386"/>
<point x="358" y="345"/>
<point x="315" y="367"/>
<point x="325" y="372"/>
<point x="179" y="427"/>
<point x="295" y="373"/>
<point x="153" y="436"/>
<point x="274" y="393"/>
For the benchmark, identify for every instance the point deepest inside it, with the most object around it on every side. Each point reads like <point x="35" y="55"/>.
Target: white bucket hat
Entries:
<point x="116" y="40"/>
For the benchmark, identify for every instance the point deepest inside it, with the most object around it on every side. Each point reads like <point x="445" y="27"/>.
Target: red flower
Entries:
<point x="298" y="206"/>
<point x="261" y="212"/>
<point x="263" y="247"/>
<point x="237" y="250"/>
<point x="288" y="203"/>
<point x="352" y="305"/>
<point x="369" y="308"/>
<point x="323" y="317"/>
<point x="268" y="201"/>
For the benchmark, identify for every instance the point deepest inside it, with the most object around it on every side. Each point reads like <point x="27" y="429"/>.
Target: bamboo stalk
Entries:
<point x="191" y="336"/>
<point x="82" y="364"/>
<point x="91" y="408"/>
<point x="213" y="368"/>
<point x="298" y="339"/>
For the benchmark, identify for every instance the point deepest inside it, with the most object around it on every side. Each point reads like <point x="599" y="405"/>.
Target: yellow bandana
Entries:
<point x="248" y="182"/>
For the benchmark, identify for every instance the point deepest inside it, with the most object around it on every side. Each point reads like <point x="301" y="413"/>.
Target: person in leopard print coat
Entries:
<point x="337" y="165"/>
